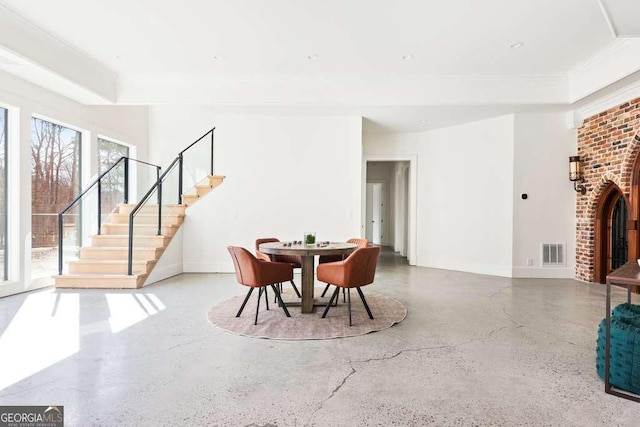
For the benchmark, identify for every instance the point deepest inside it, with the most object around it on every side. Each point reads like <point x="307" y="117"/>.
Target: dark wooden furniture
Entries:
<point x="628" y="276"/>
<point x="307" y="252"/>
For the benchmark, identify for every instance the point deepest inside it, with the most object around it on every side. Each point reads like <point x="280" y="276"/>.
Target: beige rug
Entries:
<point x="273" y="324"/>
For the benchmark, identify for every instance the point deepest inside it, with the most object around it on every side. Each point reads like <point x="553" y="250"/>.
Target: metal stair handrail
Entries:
<point x="98" y="182"/>
<point x="179" y="161"/>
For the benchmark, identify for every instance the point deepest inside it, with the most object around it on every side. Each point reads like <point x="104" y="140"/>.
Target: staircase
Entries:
<point x="104" y="264"/>
<point x="130" y="243"/>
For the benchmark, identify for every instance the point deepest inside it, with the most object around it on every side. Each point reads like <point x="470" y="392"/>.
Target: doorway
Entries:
<point x="611" y="233"/>
<point x="387" y="218"/>
<point x="618" y="232"/>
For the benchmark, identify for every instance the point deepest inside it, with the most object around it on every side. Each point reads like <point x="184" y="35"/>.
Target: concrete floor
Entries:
<point x="473" y="350"/>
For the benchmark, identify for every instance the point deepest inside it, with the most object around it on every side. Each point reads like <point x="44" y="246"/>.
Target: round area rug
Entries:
<point x="273" y="324"/>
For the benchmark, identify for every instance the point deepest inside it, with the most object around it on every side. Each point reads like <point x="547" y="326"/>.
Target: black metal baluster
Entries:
<point x="159" y="207"/>
<point x="180" y="178"/>
<point x="212" y="150"/>
<point x="130" y="255"/>
<point x="99" y="206"/>
<point x="126" y="180"/>
<point x="60" y="244"/>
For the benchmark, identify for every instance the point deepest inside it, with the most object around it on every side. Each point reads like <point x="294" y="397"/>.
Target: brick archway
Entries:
<point x="609" y="146"/>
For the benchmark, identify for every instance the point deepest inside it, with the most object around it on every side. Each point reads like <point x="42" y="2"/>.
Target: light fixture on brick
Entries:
<point x="575" y="175"/>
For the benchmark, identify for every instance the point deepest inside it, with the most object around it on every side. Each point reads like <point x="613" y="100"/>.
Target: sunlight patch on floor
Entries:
<point x="44" y="331"/>
<point x="128" y="309"/>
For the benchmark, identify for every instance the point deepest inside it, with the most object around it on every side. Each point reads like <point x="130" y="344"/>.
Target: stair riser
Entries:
<point x="189" y="199"/>
<point x="89" y="268"/>
<point x="202" y="191"/>
<point x="214" y="181"/>
<point x="124" y="219"/>
<point x="173" y="209"/>
<point x="147" y="231"/>
<point x="119" y="254"/>
<point x="123" y="242"/>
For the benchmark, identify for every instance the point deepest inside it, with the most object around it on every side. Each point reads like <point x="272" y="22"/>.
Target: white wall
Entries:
<point x="543" y="144"/>
<point x="469" y="182"/>
<point x="284" y="176"/>
<point x="465" y="197"/>
<point x="126" y="124"/>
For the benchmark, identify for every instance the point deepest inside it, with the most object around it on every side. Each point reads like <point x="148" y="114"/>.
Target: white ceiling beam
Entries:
<point x="31" y="53"/>
<point x="465" y="90"/>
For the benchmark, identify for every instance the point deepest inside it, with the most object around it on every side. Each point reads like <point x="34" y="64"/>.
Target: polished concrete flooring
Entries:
<point x="473" y="350"/>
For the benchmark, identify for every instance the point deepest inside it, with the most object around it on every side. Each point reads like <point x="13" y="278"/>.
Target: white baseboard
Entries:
<point x="491" y="270"/>
<point x="208" y="267"/>
<point x="544" y="272"/>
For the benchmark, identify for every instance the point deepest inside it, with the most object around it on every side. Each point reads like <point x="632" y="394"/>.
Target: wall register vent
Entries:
<point x="553" y="254"/>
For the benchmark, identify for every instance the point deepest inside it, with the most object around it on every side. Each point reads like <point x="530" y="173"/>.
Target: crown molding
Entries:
<point x="619" y="60"/>
<point x="606" y="102"/>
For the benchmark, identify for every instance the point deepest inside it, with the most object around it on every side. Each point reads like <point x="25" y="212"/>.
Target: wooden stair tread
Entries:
<point x="142" y="236"/>
<point x="112" y="261"/>
<point x="148" y="214"/>
<point x="117" y="224"/>
<point x="99" y="276"/>
<point x="113" y="248"/>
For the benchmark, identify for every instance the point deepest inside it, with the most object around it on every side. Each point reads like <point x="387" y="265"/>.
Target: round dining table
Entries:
<point x="307" y="254"/>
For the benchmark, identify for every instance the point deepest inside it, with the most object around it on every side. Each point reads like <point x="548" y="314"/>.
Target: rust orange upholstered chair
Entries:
<point x="362" y="243"/>
<point x="359" y="269"/>
<point x="295" y="261"/>
<point x="255" y="273"/>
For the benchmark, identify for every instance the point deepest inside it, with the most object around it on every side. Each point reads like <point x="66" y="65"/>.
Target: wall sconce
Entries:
<point x="575" y="175"/>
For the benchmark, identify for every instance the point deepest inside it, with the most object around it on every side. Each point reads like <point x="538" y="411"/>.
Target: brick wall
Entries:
<point x="607" y="145"/>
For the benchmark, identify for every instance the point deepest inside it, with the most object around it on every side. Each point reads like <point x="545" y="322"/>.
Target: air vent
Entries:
<point x="553" y="254"/>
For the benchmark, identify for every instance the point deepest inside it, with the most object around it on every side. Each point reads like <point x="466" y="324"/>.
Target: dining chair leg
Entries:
<point x="326" y="288"/>
<point x="334" y="295"/>
<point x="266" y="298"/>
<point x="275" y="298"/>
<point x="244" y="302"/>
<point x="282" y="304"/>
<point x="349" y="303"/>
<point x="295" y="289"/>
<point x="364" y="301"/>
<point x="258" y="306"/>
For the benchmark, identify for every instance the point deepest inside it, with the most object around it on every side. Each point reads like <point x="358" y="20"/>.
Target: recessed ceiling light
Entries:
<point x="423" y="121"/>
<point x="313" y="57"/>
<point x="217" y="57"/>
<point x="120" y="57"/>
<point x="516" y="45"/>
<point x="407" y="57"/>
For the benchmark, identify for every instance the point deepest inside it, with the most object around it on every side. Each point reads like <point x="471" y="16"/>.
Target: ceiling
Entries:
<point x="333" y="56"/>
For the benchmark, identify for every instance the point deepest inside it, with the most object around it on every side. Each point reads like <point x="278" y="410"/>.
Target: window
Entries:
<point x="109" y="153"/>
<point x="3" y="192"/>
<point x="55" y="182"/>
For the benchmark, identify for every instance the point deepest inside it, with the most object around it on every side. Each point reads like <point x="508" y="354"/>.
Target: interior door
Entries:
<point x="368" y="227"/>
<point x="376" y="220"/>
